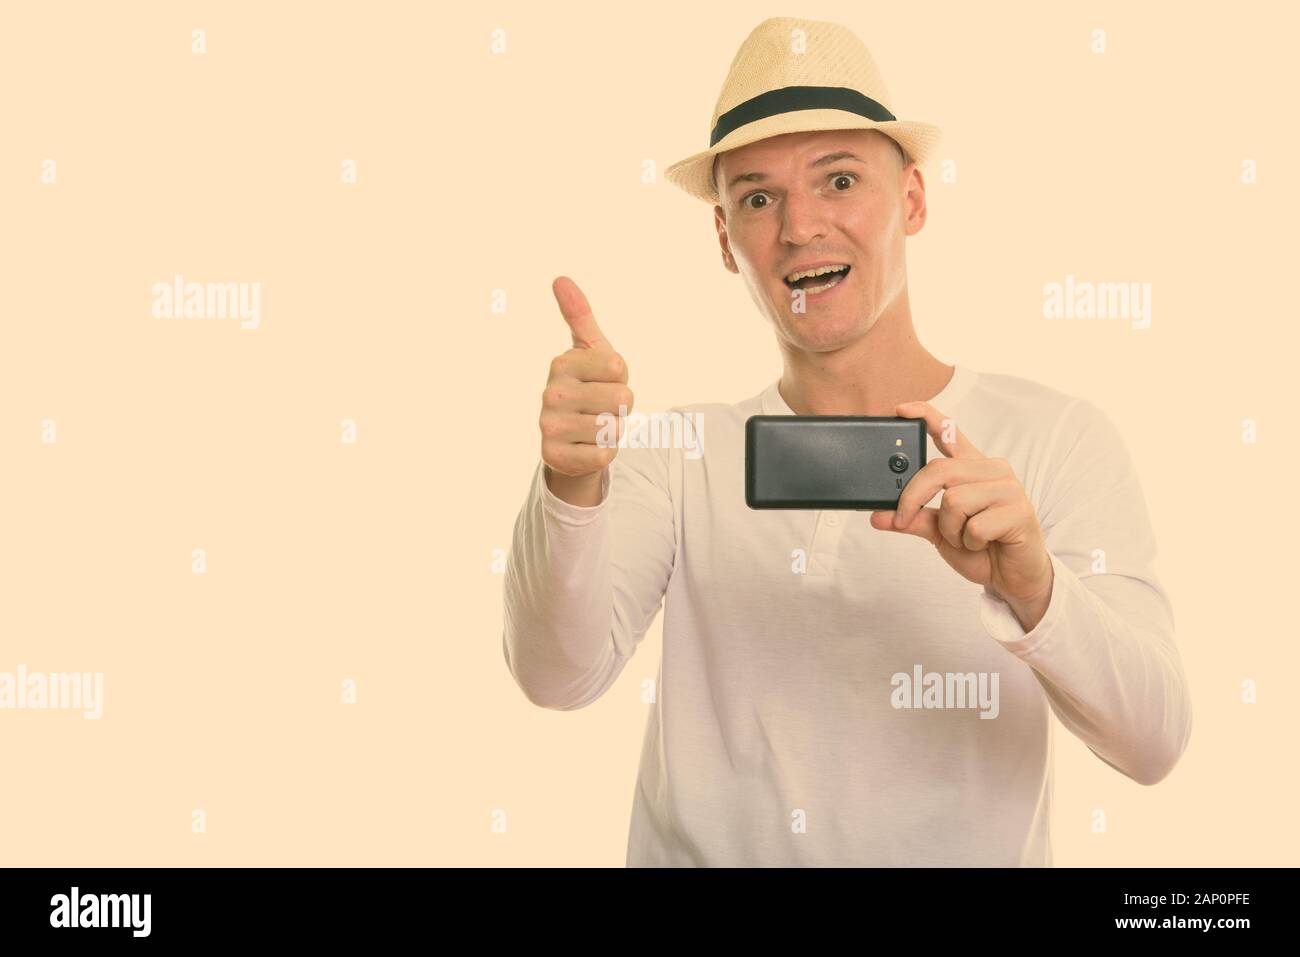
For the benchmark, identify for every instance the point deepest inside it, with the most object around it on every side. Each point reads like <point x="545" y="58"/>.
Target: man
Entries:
<point x="839" y="687"/>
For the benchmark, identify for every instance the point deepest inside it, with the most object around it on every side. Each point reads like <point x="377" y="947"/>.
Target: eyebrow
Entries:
<point x="828" y="158"/>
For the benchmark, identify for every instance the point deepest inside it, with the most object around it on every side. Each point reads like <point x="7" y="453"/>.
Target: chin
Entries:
<point x="823" y="333"/>
<point x="821" y="337"/>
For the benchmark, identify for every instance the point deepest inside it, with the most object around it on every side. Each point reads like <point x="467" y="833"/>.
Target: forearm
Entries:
<point x="1104" y="653"/>
<point x="558" y="602"/>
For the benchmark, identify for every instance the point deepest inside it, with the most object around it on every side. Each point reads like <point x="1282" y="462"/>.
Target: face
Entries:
<point x="800" y="203"/>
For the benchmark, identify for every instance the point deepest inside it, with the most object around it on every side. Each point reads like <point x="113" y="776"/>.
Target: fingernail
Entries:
<point x="898" y="520"/>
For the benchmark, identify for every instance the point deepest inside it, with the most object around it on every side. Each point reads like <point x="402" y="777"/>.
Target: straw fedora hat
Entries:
<point x="793" y="75"/>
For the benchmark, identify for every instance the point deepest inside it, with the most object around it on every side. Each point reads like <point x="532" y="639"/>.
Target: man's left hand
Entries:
<point x="985" y="526"/>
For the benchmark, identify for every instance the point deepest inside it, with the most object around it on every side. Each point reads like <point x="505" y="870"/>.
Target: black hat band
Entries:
<point x="791" y="98"/>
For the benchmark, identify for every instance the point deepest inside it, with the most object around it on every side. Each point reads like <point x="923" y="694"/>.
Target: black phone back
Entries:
<point x="858" y="462"/>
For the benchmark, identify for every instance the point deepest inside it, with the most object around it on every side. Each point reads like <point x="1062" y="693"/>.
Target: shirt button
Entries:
<point x="832" y="520"/>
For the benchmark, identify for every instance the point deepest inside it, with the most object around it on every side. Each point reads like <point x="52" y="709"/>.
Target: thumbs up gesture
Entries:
<point x="584" y="382"/>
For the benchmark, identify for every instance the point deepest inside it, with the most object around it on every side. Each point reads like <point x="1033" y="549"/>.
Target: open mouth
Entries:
<point x="828" y="279"/>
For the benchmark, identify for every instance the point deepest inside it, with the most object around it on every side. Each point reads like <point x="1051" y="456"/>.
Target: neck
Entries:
<point x="869" y="376"/>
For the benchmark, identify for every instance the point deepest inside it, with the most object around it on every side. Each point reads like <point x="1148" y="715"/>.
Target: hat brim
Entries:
<point x="693" y="174"/>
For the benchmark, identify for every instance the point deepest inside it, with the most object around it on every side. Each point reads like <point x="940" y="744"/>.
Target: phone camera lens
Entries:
<point x="898" y="462"/>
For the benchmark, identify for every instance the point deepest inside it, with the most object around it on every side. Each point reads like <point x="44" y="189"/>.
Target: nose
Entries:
<point x="803" y="219"/>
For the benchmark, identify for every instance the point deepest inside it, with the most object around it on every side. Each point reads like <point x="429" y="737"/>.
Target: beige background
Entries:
<point x="481" y="171"/>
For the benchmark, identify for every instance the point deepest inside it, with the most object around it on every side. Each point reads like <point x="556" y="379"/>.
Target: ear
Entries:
<point x="720" y="221"/>
<point x="914" y="200"/>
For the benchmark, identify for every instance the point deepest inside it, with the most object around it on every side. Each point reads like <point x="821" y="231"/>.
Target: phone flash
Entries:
<point x="898" y="441"/>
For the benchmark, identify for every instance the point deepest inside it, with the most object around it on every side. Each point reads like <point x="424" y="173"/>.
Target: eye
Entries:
<point x="844" y="174"/>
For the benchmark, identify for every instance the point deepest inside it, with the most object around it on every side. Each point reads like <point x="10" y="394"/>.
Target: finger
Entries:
<point x="951" y="441"/>
<point x="577" y="428"/>
<point x="592" y="398"/>
<point x="594" y="365"/>
<point x="991" y="525"/>
<point x="960" y="504"/>
<point x="946" y="473"/>
<point x="925" y="524"/>
<point x="577" y="313"/>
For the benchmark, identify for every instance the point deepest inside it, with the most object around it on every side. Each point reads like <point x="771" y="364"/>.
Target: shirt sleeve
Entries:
<point x="1104" y="650"/>
<point x="583" y="584"/>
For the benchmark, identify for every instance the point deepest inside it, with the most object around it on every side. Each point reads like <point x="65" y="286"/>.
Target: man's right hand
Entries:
<point x="584" y="382"/>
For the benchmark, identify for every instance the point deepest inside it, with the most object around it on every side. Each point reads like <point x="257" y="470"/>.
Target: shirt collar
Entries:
<point x="772" y="403"/>
<point x="958" y="386"/>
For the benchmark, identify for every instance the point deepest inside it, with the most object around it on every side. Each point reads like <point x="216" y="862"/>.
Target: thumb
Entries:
<point x="577" y="313"/>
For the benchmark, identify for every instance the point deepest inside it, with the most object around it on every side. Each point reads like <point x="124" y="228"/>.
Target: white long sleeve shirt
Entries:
<point x="796" y="719"/>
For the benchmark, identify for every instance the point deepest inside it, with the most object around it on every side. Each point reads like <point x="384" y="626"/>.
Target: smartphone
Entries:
<point x="860" y="462"/>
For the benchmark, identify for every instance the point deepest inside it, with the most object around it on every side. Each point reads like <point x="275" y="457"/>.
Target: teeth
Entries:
<point x="833" y="282"/>
<point x="819" y="271"/>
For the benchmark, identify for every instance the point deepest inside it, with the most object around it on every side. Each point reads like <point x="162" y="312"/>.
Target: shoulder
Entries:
<point x="1000" y="396"/>
<point x="1000" y="406"/>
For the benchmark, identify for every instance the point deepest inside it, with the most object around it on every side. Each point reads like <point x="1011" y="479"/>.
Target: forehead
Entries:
<point x="775" y="149"/>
